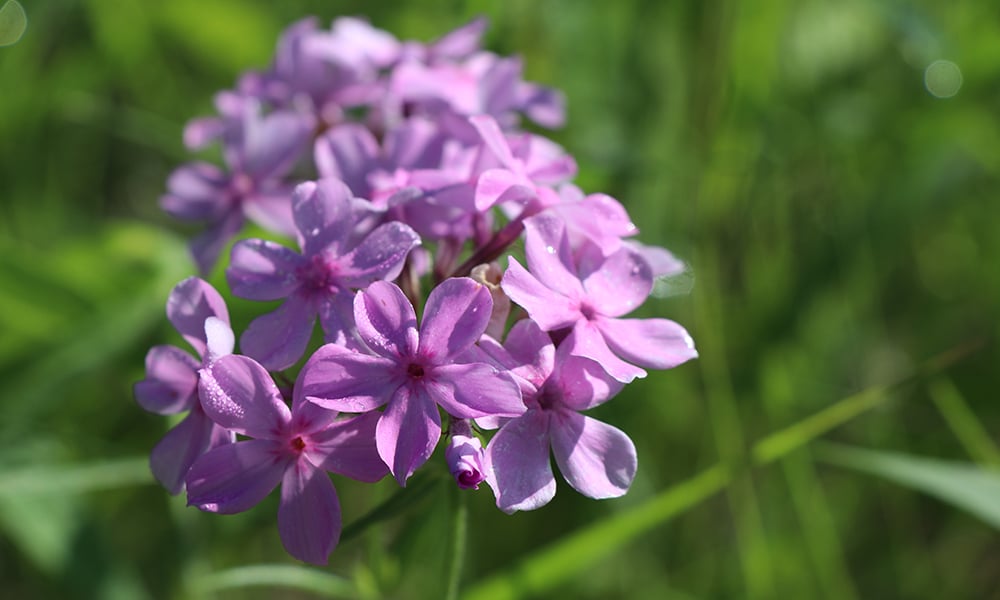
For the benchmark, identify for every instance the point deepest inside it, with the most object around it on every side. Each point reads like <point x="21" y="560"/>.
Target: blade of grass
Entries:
<point x="550" y="566"/>
<point x="75" y="478"/>
<point x="459" y="534"/>
<point x="963" y="485"/>
<point x="963" y="422"/>
<point x="293" y="577"/>
<point x="402" y="501"/>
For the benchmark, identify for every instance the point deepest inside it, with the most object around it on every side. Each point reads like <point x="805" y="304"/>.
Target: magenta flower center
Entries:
<point x="298" y="445"/>
<point x="317" y="275"/>
<point x="415" y="371"/>
<point x="587" y="311"/>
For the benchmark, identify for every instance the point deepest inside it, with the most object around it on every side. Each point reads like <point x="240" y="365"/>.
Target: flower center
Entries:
<point x="317" y="275"/>
<point x="588" y="311"/>
<point x="415" y="371"/>
<point x="298" y="444"/>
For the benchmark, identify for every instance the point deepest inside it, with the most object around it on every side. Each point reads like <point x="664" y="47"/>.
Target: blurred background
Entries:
<point x="827" y="168"/>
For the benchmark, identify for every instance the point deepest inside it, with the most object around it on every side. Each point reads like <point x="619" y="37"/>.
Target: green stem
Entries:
<point x="459" y="537"/>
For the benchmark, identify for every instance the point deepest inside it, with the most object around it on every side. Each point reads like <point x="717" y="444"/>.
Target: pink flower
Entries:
<point x="412" y="370"/>
<point x="292" y="447"/>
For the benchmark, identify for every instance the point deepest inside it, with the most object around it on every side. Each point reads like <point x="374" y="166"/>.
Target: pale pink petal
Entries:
<point x="235" y="477"/>
<point x="494" y="139"/>
<point x="549" y="309"/>
<point x="518" y="465"/>
<point x="347" y="448"/>
<point x="407" y="432"/>
<point x="238" y="394"/>
<point x="221" y="339"/>
<point x="651" y="343"/>
<point x="455" y="316"/>
<point x="661" y="261"/>
<point x="474" y="390"/>
<point x="346" y="381"/>
<point x="386" y="321"/>
<point x="278" y="339"/>
<point x="549" y="256"/>
<point x="581" y="383"/>
<point x="588" y="341"/>
<point x="271" y="209"/>
<point x="618" y="284"/>
<point x="532" y="350"/>
<point x="460" y="42"/>
<point x="171" y="383"/>
<point x="309" y="514"/>
<point x="501" y="185"/>
<point x="262" y="270"/>
<point x="190" y="303"/>
<point x="598" y="460"/>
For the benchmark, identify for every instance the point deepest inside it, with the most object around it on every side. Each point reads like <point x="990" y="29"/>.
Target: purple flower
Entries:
<point x="596" y="459"/>
<point x="292" y="447"/>
<point x="199" y="313"/>
<point x="464" y="454"/>
<point x="318" y="282"/>
<point x="412" y="371"/>
<point x="588" y="296"/>
<point x="258" y="150"/>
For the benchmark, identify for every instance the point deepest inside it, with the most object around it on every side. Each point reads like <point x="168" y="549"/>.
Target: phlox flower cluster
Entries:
<point x="396" y="176"/>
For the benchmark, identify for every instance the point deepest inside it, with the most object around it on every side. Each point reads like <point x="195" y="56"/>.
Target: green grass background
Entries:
<point x="842" y="225"/>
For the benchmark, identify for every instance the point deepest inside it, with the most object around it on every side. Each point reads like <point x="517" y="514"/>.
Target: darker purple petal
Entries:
<point x="380" y="256"/>
<point x="171" y="383"/>
<point x="386" y="321"/>
<point x="172" y="457"/>
<point x="323" y="212"/>
<point x="191" y="302"/>
<point x="238" y="394"/>
<point x="235" y="477"/>
<point x="262" y="270"/>
<point x="347" y="447"/>
<point x="407" y="432"/>
<point x="346" y="381"/>
<point x="278" y="339"/>
<point x="474" y="390"/>
<point x="309" y="514"/>
<point x="455" y="316"/>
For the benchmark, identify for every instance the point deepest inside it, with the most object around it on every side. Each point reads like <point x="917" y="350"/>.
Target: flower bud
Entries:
<point x="464" y="454"/>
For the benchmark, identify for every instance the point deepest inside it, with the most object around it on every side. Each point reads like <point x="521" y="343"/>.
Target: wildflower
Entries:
<point x="199" y="313"/>
<point x="412" y="370"/>
<point x="293" y="447"/>
<point x="588" y="296"/>
<point x="464" y="455"/>
<point x="318" y="282"/>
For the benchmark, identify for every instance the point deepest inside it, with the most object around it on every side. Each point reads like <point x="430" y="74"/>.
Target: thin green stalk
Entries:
<point x="459" y="537"/>
<point x="963" y="422"/>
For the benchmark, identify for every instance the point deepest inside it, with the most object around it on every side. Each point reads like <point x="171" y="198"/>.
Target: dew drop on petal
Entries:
<point x="550" y="249"/>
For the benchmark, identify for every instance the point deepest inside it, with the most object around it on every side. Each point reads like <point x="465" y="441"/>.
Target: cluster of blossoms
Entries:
<point x="411" y="174"/>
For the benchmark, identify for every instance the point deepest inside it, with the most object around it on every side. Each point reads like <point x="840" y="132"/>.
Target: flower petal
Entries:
<point x="386" y="321"/>
<point x="323" y="213"/>
<point x="618" y="284"/>
<point x="190" y="303"/>
<point x="380" y="256"/>
<point x="171" y="383"/>
<point x="652" y="343"/>
<point x="549" y="309"/>
<point x="208" y="245"/>
<point x="271" y="208"/>
<point x="172" y="457"/>
<point x="262" y="270"/>
<point x="407" y="432"/>
<point x="533" y="351"/>
<point x="346" y="381"/>
<point x="474" y="390"/>
<point x="581" y="383"/>
<point x="518" y="466"/>
<point x="598" y="460"/>
<point x="196" y="192"/>
<point x="272" y="144"/>
<point x="347" y="447"/>
<point x="309" y="514"/>
<point x="347" y="152"/>
<point x="221" y="339"/>
<point x="235" y="477"/>
<point x="238" y="394"/>
<point x="494" y="139"/>
<point x="279" y="338"/>
<point x="550" y="259"/>
<point x="455" y="316"/>
<point x="586" y="340"/>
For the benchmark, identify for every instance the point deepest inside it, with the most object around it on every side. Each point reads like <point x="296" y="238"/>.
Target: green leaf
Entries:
<point x="963" y="485"/>
<point x="295" y="577"/>
<point x="68" y="479"/>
